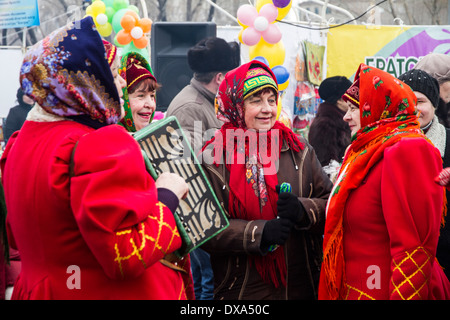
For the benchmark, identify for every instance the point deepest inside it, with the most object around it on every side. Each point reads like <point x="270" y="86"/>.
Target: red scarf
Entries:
<point x="387" y="115"/>
<point x="251" y="158"/>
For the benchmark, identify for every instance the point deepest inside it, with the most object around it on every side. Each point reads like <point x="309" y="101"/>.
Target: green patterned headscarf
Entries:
<point x="128" y="121"/>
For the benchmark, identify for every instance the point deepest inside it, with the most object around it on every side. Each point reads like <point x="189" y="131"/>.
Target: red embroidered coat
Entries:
<point x="106" y="220"/>
<point x="391" y="228"/>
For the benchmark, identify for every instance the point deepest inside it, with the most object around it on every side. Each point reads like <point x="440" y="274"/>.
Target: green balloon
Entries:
<point x="134" y="8"/>
<point x="116" y="19"/>
<point x="108" y="3"/>
<point x="120" y="4"/>
<point x="110" y="12"/>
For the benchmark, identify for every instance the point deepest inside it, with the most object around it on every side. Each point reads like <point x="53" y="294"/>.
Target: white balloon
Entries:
<point x="137" y="32"/>
<point x="101" y="19"/>
<point x="261" y="24"/>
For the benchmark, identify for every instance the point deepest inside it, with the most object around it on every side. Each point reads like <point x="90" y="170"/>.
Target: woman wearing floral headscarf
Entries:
<point x="140" y="93"/>
<point x="385" y="210"/>
<point x="86" y="217"/>
<point x="272" y="248"/>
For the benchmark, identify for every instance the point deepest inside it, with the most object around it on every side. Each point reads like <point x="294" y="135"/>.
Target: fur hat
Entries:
<point x="437" y="65"/>
<point x="422" y="82"/>
<point x="213" y="54"/>
<point x="331" y="89"/>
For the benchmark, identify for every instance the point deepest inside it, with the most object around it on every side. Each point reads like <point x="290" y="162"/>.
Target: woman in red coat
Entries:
<point x="88" y="220"/>
<point x="385" y="210"/>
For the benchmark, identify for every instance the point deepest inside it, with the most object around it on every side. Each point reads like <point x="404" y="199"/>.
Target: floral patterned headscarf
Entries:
<point x="68" y="75"/>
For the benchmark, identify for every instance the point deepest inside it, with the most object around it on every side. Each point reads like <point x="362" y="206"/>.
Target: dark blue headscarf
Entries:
<point x="68" y="75"/>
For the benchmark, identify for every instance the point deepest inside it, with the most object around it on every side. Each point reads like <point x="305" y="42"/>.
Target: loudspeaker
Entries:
<point x="170" y="42"/>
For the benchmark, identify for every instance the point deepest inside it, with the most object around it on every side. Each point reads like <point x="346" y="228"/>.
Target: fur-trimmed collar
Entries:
<point x="436" y="133"/>
<point x="38" y="114"/>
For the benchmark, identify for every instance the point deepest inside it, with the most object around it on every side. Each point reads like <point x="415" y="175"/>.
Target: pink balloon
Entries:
<point x="272" y="35"/>
<point x="251" y="36"/>
<point x="247" y="14"/>
<point x="269" y="11"/>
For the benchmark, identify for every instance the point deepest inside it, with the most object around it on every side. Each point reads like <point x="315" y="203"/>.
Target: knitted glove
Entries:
<point x="289" y="207"/>
<point x="276" y="231"/>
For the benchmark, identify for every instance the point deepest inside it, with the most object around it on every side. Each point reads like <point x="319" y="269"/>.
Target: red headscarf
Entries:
<point x="252" y="185"/>
<point x="387" y="113"/>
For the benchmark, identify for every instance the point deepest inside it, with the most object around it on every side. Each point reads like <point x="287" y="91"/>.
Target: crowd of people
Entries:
<point x="85" y="219"/>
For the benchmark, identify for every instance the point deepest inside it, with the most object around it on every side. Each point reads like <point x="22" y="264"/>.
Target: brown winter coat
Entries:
<point x="234" y="277"/>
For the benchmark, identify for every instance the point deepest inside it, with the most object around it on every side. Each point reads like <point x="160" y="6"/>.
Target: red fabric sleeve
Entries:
<point x="115" y="204"/>
<point x="412" y="206"/>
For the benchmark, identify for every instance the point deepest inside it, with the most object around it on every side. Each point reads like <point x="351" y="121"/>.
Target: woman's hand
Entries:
<point x="174" y="183"/>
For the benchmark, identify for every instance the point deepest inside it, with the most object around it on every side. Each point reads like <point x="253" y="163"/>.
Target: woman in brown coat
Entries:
<point x="272" y="247"/>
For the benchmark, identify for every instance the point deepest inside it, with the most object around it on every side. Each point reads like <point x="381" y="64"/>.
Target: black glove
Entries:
<point x="289" y="207"/>
<point x="276" y="231"/>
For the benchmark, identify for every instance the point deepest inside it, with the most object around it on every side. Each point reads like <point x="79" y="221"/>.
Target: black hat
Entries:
<point x="331" y="89"/>
<point x="213" y="54"/>
<point x="423" y="82"/>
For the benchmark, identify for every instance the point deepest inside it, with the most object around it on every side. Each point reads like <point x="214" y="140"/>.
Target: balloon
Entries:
<point x="274" y="53"/>
<point x="136" y="33"/>
<point x="269" y="11"/>
<point x="109" y="11"/>
<point x="282" y="12"/>
<point x="98" y="7"/>
<point x="140" y="43"/>
<point x="240" y="36"/>
<point x="246" y="14"/>
<point x="127" y="22"/>
<point x="89" y="10"/>
<point x="281" y="74"/>
<point x="123" y="37"/>
<point x="105" y="30"/>
<point x="145" y="24"/>
<point x="283" y="86"/>
<point x="101" y="19"/>
<point x="260" y="23"/>
<point x="120" y="4"/>
<point x="272" y="34"/>
<point x="262" y="59"/>
<point x="279" y="107"/>
<point x="250" y="36"/>
<point x="108" y="3"/>
<point x="132" y="48"/>
<point x="133" y="8"/>
<point x="281" y="3"/>
<point x="116" y="19"/>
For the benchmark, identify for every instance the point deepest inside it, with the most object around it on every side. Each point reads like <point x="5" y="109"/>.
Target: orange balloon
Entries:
<point x="140" y="43"/>
<point x="133" y="14"/>
<point x="145" y="24"/>
<point x="123" y="37"/>
<point x="128" y="22"/>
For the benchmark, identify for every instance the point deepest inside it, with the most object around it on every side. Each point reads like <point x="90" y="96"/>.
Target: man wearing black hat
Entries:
<point x="329" y="134"/>
<point x="210" y="59"/>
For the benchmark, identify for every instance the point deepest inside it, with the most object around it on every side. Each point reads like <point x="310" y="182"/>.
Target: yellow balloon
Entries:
<point x="283" y="85"/>
<point x="240" y="36"/>
<point x="105" y="30"/>
<point x="282" y="12"/>
<point x="279" y="107"/>
<point x="274" y="53"/>
<point x="89" y="10"/>
<point x="98" y="7"/>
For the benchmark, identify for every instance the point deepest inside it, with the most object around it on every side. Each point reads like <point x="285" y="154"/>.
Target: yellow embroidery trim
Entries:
<point x="409" y="256"/>
<point x="136" y="251"/>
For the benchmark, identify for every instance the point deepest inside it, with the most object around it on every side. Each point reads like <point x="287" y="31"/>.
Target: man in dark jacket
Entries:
<point x="17" y="114"/>
<point x="329" y="134"/>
